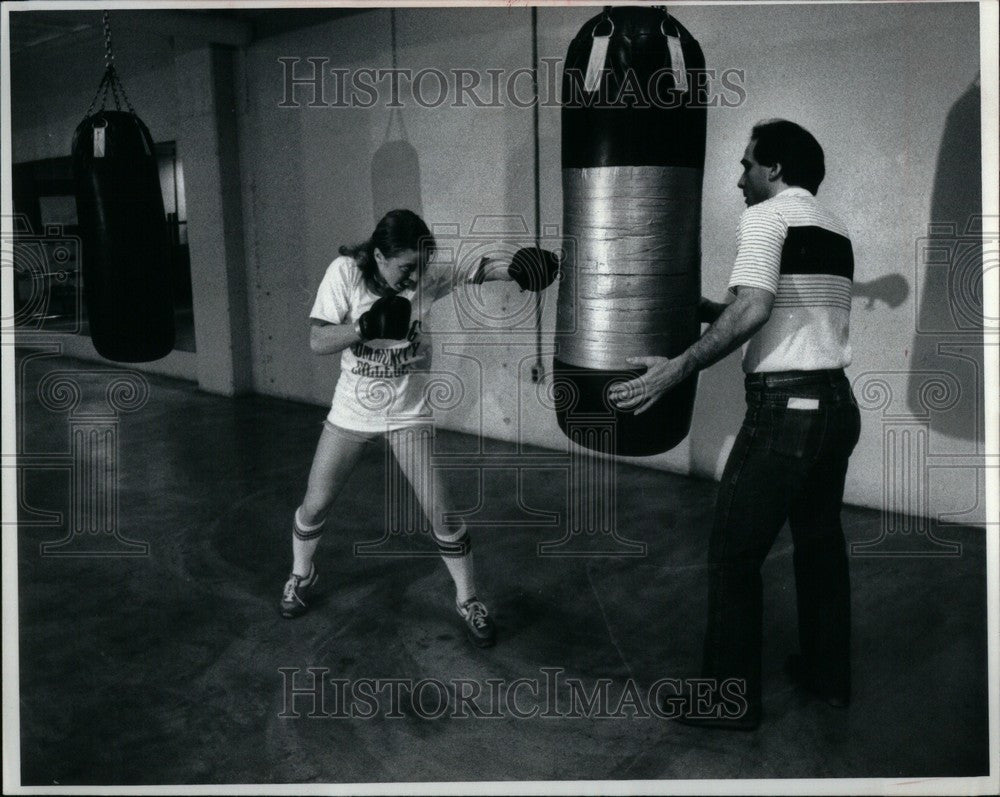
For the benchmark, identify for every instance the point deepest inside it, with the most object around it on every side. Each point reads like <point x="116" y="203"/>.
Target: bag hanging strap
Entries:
<point x="675" y="50"/>
<point x="598" y="52"/>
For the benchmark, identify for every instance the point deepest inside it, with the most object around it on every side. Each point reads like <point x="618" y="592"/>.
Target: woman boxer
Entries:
<point x="372" y="308"/>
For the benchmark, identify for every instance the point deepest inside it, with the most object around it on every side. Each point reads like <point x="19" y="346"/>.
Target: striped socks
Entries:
<point x="456" y="550"/>
<point x="305" y="539"/>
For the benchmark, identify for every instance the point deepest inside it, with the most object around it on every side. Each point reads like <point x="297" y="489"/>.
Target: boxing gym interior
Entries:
<point x="150" y="487"/>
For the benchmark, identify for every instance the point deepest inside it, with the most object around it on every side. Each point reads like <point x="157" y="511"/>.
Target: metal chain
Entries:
<point x="110" y="80"/>
<point x="102" y="85"/>
<point x="114" y="88"/>
<point x="107" y="85"/>
<point x="121" y="87"/>
<point x="109" y="56"/>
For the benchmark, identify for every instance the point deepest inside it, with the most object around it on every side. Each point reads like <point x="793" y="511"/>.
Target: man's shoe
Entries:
<point x="298" y="590"/>
<point x="800" y="673"/>
<point x="478" y="623"/>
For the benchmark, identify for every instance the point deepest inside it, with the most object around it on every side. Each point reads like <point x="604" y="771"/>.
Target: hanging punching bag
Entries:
<point x="633" y="152"/>
<point x="123" y="230"/>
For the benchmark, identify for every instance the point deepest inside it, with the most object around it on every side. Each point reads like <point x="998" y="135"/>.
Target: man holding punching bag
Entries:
<point x="790" y="303"/>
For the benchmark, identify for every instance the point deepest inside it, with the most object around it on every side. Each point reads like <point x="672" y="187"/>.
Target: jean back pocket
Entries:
<point x="798" y="428"/>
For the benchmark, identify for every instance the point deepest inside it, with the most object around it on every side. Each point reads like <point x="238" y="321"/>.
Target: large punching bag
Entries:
<point x="633" y="152"/>
<point x="123" y="230"/>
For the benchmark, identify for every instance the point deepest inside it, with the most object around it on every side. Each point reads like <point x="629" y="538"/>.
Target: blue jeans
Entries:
<point x="789" y="462"/>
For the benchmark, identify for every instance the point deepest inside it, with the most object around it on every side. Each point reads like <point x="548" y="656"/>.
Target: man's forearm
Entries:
<point x="735" y="325"/>
<point x="709" y="311"/>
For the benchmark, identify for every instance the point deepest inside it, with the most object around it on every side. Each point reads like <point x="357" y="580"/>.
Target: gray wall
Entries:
<point x="885" y="88"/>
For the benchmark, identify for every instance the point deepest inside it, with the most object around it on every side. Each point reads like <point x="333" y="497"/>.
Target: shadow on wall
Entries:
<point x="396" y="173"/>
<point x="946" y="379"/>
<point x="396" y="164"/>
<point x="891" y="289"/>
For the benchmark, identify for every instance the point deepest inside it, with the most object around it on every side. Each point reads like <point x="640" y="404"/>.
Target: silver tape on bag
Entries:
<point x="631" y="280"/>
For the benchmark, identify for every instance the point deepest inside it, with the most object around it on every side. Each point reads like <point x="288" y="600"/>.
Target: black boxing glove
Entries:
<point x="533" y="269"/>
<point x="388" y="318"/>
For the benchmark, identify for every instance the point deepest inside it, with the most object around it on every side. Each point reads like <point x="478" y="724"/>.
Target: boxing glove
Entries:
<point x="533" y="269"/>
<point x="388" y="318"/>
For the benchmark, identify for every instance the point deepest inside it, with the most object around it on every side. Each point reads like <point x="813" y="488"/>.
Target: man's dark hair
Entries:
<point x="794" y="147"/>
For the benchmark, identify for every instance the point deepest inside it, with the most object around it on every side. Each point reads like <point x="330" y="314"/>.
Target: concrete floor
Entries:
<point x="165" y="668"/>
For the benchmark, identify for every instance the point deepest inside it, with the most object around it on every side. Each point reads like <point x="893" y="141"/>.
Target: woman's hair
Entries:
<point x="398" y="231"/>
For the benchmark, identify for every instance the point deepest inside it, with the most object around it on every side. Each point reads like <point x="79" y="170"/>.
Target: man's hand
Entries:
<point x="662" y="374"/>
<point x="736" y="323"/>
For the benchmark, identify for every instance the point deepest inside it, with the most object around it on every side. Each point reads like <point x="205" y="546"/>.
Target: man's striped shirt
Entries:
<point x="794" y="248"/>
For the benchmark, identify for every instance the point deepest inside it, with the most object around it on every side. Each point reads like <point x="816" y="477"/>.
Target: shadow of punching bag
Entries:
<point x="948" y="344"/>
<point x="633" y="154"/>
<point x="123" y="229"/>
<point x="396" y="173"/>
<point x="395" y="165"/>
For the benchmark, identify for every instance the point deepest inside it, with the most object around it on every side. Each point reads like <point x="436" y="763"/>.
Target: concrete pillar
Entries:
<point x="208" y="149"/>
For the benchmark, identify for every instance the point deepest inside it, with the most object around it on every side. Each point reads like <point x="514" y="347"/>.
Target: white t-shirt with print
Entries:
<point x="376" y="391"/>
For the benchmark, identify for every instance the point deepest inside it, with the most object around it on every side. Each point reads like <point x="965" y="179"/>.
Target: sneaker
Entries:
<point x="295" y="597"/>
<point x="480" y="628"/>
